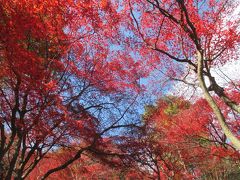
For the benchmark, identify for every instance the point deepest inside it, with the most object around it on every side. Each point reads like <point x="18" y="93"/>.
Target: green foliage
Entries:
<point x="149" y="110"/>
<point x="172" y="109"/>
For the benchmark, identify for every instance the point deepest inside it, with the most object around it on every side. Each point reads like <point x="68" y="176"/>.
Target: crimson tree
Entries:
<point x="61" y="83"/>
<point x="197" y="33"/>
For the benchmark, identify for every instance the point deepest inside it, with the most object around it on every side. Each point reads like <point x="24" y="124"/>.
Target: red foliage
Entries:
<point x="87" y="167"/>
<point x="64" y="62"/>
<point x="57" y="67"/>
<point x="182" y="141"/>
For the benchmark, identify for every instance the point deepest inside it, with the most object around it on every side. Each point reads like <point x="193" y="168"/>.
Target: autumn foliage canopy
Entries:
<point x="76" y="74"/>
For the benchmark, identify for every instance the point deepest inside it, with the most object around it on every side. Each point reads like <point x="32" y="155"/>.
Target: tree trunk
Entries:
<point x="221" y="119"/>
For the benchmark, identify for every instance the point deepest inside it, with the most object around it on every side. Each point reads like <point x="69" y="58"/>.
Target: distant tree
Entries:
<point x="179" y="140"/>
<point x="90" y="166"/>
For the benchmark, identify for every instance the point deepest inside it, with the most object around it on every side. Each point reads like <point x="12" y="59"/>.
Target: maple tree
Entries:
<point x="198" y="34"/>
<point x="89" y="166"/>
<point x="173" y="144"/>
<point x="61" y="83"/>
<point x="70" y="76"/>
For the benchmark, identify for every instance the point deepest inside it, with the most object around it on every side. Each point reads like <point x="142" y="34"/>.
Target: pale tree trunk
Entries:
<point x="221" y="119"/>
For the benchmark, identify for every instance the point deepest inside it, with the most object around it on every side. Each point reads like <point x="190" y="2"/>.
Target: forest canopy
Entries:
<point x="97" y="89"/>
